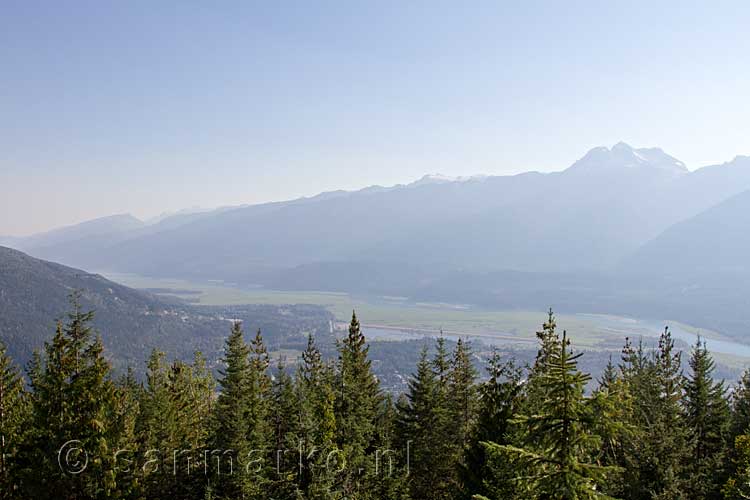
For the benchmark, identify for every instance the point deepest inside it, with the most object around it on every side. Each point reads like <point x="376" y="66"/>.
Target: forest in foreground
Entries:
<point x="324" y="429"/>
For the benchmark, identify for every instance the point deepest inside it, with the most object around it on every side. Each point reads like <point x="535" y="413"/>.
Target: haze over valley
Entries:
<point x="624" y="231"/>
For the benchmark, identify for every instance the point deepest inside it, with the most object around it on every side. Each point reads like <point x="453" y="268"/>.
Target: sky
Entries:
<point x="150" y="107"/>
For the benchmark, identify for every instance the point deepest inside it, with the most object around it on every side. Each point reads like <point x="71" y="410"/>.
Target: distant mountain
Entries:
<point x="9" y="241"/>
<point x="588" y="217"/>
<point x="623" y="156"/>
<point x="34" y="293"/>
<point x="104" y="226"/>
<point x="714" y="242"/>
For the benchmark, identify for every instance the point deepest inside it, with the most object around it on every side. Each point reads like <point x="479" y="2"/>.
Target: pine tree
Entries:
<point x="284" y="407"/>
<point x="737" y="486"/>
<point x="419" y="429"/>
<point x="316" y="423"/>
<point x="549" y="344"/>
<point x="173" y="429"/>
<point x="232" y="419"/>
<point x="613" y="401"/>
<point x="72" y="406"/>
<point x="128" y="394"/>
<point x="559" y="439"/>
<point x="708" y="420"/>
<point x="462" y="393"/>
<point x="260" y="433"/>
<point x="654" y="461"/>
<point x="741" y="406"/>
<point x="356" y="411"/>
<point x="500" y="398"/>
<point x="153" y="427"/>
<point x="609" y="376"/>
<point x="13" y="417"/>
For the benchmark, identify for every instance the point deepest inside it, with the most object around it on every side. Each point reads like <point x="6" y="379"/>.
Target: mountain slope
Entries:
<point x="110" y="225"/>
<point x="716" y="241"/>
<point x="34" y="293"/>
<point x="587" y="217"/>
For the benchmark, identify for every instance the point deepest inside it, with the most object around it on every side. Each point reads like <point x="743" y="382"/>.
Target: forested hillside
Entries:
<point x="654" y="426"/>
<point x="34" y="294"/>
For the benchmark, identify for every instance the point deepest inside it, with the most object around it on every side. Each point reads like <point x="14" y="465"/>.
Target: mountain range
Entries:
<point x="619" y="218"/>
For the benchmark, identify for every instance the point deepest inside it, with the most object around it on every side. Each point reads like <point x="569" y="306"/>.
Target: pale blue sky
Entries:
<point x="144" y="107"/>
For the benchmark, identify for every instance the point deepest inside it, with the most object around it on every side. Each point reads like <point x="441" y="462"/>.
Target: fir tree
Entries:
<point x="500" y="398"/>
<point x="462" y="393"/>
<point x="737" y="486"/>
<point x="707" y="415"/>
<point x="356" y="410"/>
<point x="231" y="419"/>
<point x="549" y="344"/>
<point x="614" y="403"/>
<point x="419" y="425"/>
<point x="654" y="461"/>
<point x="559" y="439"/>
<point x="260" y="432"/>
<point x="13" y="417"/>
<point x="316" y="423"/>
<point x="284" y="407"/>
<point x="128" y="393"/>
<point x="741" y="406"/>
<point x="73" y="402"/>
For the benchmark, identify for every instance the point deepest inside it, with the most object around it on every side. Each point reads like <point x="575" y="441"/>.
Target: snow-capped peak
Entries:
<point x="444" y="179"/>
<point x="623" y="155"/>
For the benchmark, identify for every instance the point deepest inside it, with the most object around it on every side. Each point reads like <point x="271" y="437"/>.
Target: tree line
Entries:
<point x="323" y="429"/>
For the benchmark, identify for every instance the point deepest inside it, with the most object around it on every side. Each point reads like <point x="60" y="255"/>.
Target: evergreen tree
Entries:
<point x="356" y="411"/>
<point x="173" y="429"/>
<point x="549" y="344"/>
<point x="708" y="419"/>
<point x="500" y="398"/>
<point x="741" y="406"/>
<point x="316" y="423"/>
<point x="285" y="459"/>
<point x="124" y="420"/>
<point x="737" y="486"/>
<point x="462" y="393"/>
<point x="654" y="461"/>
<point x="390" y="474"/>
<point x="231" y="419"/>
<point x="613" y="401"/>
<point x="260" y="432"/>
<point x="559" y="439"/>
<point x="73" y="402"/>
<point x="609" y="376"/>
<point x="420" y="422"/>
<point x="13" y="417"/>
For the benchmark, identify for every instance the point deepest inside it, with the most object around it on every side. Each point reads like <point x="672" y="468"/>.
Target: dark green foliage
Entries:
<point x="462" y="393"/>
<point x="327" y="432"/>
<point x="423" y="426"/>
<point x="708" y="420"/>
<point x="73" y="402"/>
<point x="357" y="401"/>
<point x="132" y="322"/>
<point x="231" y="419"/>
<point x="13" y="417"/>
<point x="315" y="422"/>
<point x="549" y="344"/>
<point x="558" y="440"/>
<point x="284" y="406"/>
<point x="500" y="398"/>
<point x="741" y="406"/>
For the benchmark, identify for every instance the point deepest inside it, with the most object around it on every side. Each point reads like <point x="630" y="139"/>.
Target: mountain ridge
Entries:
<point x="593" y="214"/>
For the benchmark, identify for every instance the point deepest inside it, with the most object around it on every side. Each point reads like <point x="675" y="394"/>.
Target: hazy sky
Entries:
<point x="144" y="107"/>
